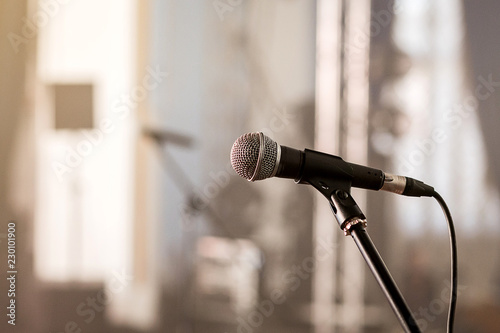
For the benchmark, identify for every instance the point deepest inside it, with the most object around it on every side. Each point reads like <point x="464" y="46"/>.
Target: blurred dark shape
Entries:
<point x="239" y="207"/>
<point x="226" y="277"/>
<point x="74" y="106"/>
<point x="483" y="55"/>
<point x="164" y="136"/>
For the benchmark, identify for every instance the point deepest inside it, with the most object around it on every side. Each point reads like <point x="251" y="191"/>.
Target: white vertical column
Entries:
<point x="327" y="139"/>
<point x="357" y="37"/>
<point x="335" y="127"/>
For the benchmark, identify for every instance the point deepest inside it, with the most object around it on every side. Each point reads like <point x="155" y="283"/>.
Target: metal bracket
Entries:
<point x="346" y="210"/>
<point x="351" y="223"/>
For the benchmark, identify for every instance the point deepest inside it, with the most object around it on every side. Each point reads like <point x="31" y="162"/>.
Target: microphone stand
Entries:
<point x="353" y="222"/>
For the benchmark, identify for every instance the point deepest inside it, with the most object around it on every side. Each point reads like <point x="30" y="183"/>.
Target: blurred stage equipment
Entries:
<point x="255" y="156"/>
<point x="193" y="204"/>
<point x="164" y="136"/>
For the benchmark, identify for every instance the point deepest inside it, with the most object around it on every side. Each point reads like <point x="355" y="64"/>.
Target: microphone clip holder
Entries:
<point x="346" y="211"/>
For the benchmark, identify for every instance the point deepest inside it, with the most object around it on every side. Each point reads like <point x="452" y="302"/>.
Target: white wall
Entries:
<point x="84" y="198"/>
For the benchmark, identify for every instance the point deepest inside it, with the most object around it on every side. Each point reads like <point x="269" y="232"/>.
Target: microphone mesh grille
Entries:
<point x="245" y="156"/>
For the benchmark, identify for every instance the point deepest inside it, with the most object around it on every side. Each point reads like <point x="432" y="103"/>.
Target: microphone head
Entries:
<point x="255" y="156"/>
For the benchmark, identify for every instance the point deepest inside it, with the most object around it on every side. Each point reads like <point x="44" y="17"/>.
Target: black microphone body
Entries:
<point x="255" y="156"/>
<point x="311" y="167"/>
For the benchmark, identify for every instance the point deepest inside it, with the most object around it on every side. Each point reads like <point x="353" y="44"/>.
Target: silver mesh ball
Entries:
<point x="245" y="155"/>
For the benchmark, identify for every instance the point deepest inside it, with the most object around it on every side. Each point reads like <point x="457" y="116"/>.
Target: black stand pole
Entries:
<point x="384" y="278"/>
<point x="353" y="222"/>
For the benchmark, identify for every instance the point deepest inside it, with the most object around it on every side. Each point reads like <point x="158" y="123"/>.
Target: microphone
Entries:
<point x="255" y="156"/>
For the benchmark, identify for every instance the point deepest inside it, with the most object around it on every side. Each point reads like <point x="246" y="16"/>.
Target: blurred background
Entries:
<point x="117" y="119"/>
